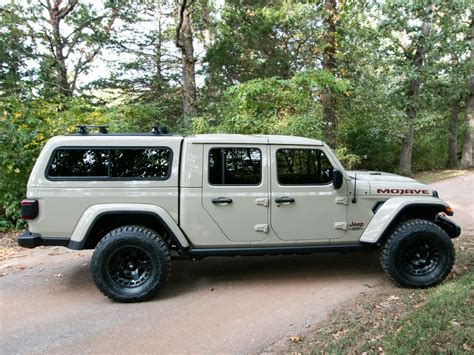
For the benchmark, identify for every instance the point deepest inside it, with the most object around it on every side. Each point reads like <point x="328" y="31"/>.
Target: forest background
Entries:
<point x="389" y="85"/>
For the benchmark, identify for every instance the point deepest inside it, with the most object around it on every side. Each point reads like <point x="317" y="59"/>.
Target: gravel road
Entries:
<point x="49" y="304"/>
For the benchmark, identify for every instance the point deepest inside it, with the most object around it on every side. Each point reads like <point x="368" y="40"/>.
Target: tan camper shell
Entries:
<point x="141" y="200"/>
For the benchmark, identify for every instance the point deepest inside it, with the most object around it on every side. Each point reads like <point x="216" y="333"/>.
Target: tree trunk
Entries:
<point x="411" y="111"/>
<point x="453" y="135"/>
<point x="407" y="144"/>
<point x="57" y="46"/>
<point x="466" y="158"/>
<point x="184" y="41"/>
<point x="413" y="94"/>
<point x="329" y="64"/>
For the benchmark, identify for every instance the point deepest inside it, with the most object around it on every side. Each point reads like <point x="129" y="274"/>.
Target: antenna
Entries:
<point x="354" y="199"/>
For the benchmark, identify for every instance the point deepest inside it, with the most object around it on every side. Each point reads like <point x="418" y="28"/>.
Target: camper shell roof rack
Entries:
<point x="84" y="130"/>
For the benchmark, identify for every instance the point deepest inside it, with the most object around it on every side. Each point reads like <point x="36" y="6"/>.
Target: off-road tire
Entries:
<point x="418" y="254"/>
<point x="144" y="254"/>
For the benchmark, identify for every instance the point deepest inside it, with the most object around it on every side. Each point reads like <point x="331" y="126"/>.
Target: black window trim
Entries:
<point x="108" y="178"/>
<point x="235" y="147"/>
<point x="302" y="148"/>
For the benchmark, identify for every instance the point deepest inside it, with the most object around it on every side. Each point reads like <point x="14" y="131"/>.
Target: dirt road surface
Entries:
<point x="49" y="304"/>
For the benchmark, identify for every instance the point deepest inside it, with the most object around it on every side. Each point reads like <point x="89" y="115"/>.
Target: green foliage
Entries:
<point x="348" y="160"/>
<point x="14" y="52"/>
<point x="25" y="126"/>
<point x="264" y="39"/>
<point x="273" y="106"/>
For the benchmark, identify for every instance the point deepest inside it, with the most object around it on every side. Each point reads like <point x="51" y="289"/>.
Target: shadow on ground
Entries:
<point x="222" y="271"/>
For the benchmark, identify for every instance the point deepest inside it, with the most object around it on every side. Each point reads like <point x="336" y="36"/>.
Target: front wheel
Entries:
<point x="418" y="254"/>
<point x="130" y="264"/>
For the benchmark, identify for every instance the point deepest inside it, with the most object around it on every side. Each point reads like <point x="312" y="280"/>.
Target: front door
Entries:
<point x="304" y="203"/>
<point x="236" y="190"/>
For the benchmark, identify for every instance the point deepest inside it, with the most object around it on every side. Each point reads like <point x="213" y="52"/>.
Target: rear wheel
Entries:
<point x="418" y="254"/>
<point x="130" y="264"/>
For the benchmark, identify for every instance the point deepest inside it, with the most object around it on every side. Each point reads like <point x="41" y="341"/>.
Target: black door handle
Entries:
<point x="222" y="201"/>
<point x="284" y="200"/>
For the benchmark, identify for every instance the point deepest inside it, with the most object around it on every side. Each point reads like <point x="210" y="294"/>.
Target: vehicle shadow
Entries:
<point x="221" y="271"/>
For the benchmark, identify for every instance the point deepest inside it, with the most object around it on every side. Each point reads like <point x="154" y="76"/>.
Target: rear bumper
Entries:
<point x="33" y="240"/>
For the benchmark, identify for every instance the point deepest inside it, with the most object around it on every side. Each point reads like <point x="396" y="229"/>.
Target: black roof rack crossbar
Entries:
<point x="160" y="130"/>
<point x="84" y="129"/>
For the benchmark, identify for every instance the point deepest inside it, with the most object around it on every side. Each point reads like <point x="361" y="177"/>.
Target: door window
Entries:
<point x="235" y="166"/>
<point x="303" y="167"/>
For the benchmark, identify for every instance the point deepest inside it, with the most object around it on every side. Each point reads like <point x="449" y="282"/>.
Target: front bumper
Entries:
<point x="33" y="240"/>
<point x="452" y="228"/>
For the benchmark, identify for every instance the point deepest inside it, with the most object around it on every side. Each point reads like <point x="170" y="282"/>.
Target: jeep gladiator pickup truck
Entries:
<point x="141" y="200"/>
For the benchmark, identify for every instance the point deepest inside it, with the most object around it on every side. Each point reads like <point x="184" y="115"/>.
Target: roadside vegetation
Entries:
<point x="400" y="321"/>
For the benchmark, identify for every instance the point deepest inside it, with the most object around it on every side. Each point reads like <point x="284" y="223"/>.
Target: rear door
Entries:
<point x="304" y="203"/>
<point x="236" y="189"/>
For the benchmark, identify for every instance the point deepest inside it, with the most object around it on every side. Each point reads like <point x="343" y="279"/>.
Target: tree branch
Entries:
<point x="83" y="26"/>
<point x="62" y="13"/>
<point x="183" y="6"/>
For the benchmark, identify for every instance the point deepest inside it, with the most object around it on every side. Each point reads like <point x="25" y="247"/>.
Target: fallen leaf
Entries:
<point x="466" y="347"/>
<point x="296" y="338"/>
<point x="338" y="334"/>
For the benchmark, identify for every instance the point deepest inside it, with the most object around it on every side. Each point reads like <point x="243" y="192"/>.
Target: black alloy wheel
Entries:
<point x="130" y="264"/>
<point x="418" y="254"/>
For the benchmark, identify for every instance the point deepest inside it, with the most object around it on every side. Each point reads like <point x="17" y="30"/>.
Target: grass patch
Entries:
<point x="428" y="177"/>
<point x="402" y="321"/>
<point x="443" y="323"/>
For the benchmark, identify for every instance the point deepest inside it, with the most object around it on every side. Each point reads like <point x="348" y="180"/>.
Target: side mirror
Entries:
<point x="337" y="179"/>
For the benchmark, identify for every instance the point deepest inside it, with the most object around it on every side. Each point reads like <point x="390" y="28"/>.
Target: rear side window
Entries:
<point x="79" y="162"/>
<point x="303" y="167"/>
<point x="235" y="166"/>
<point x="110" y="163"/>
<point x="144" y="163"/>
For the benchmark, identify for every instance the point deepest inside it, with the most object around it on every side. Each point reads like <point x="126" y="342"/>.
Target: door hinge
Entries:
<point x="262" y="202"/>
<point x="261" y="228"/>
<point x="340" y="225"/>
<point x="341" y="200"/>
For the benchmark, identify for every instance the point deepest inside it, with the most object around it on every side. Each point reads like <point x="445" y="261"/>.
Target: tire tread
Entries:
<point x="141" y="232"/>
<point x="411" y="226"/>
